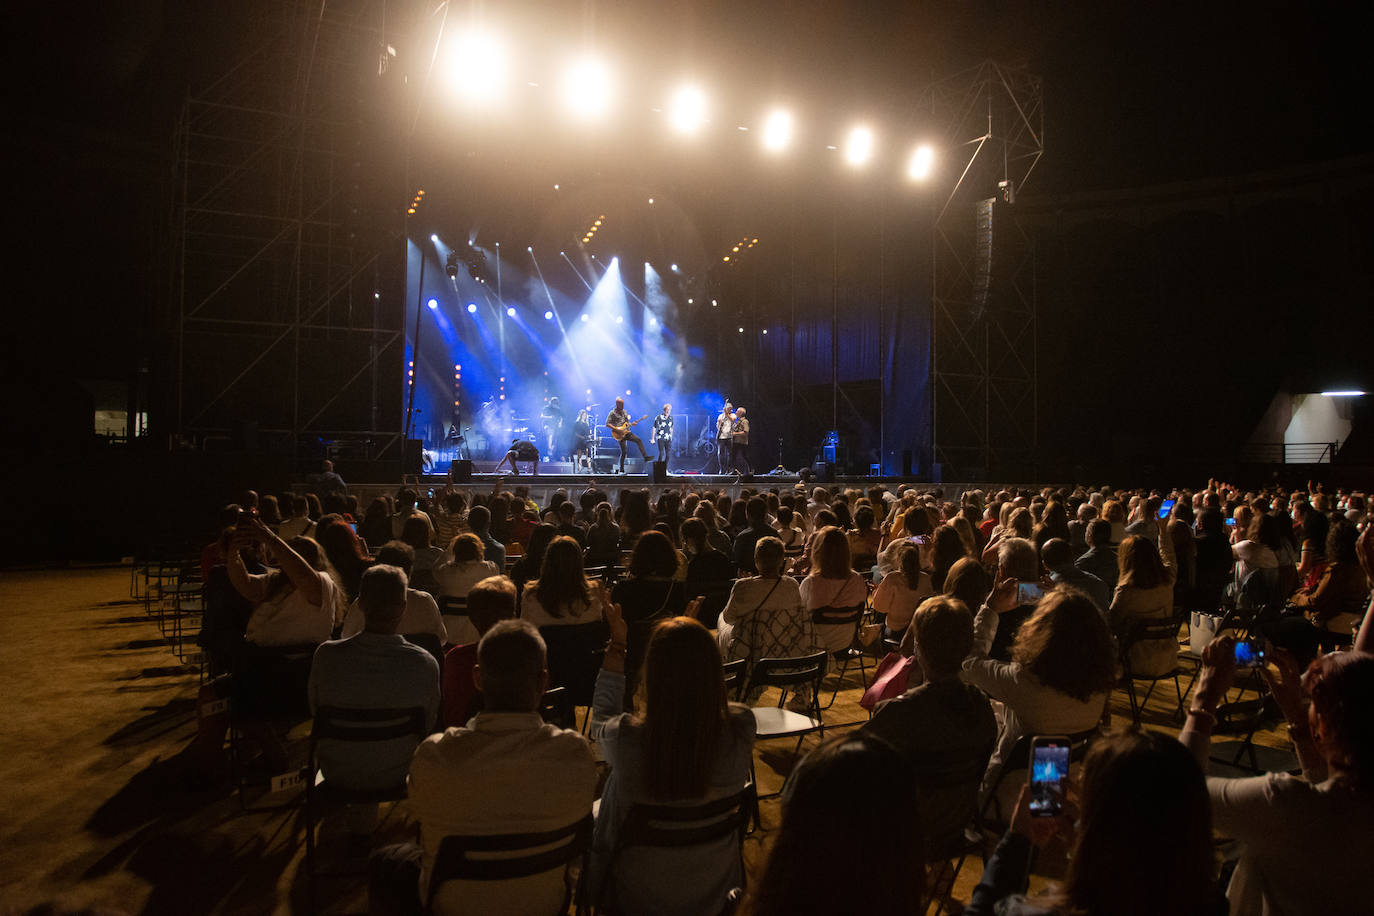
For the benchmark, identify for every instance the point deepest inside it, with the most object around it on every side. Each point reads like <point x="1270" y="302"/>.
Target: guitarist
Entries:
<point x="619" y="423"/>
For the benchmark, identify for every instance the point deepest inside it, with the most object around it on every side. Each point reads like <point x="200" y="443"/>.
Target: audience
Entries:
<point x="1145" y="594"/>
<point x="1057" y="557"/>
<point x="765" y="617"/>
<point x="506" y="771"/>
<point x="561" y="595"/>
<point x="897" y="596"/>
<point x="686" y="746"/>
<point x="295" y="604"/>
<point x="830" y="816"/>
<point x="832" y="583"/>
<point x="489" y="601"/>
<point x="374" y="668"/>
<point x="421" y="613"/>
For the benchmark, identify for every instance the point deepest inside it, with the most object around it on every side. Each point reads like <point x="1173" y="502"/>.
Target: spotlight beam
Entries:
<point x="576" y="271"/>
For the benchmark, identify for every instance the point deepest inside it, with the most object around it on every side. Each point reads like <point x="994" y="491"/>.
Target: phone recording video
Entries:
<point x="1049" y="770"/>
<point x="1166" y="507"/>
<point x="1230" y="523"/>
<point x="1028" y="593"/>
<point x="1249" y="653"/>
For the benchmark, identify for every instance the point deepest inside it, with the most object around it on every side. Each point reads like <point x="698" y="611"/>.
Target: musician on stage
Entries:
<point x="663" y="432"/>
<point x="552" y="418"/>
<point x="520" y="450"/>
<point x="619" y="422"/>
<point x="723" y="435"/>
<point x="739" y="444"/>
<point x="582" y="434"/>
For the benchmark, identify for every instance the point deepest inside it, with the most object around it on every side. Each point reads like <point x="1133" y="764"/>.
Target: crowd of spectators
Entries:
<point x="1014" y="612"/>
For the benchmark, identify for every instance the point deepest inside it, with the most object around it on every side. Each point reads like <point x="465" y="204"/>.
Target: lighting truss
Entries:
<point x="983" y="329"/>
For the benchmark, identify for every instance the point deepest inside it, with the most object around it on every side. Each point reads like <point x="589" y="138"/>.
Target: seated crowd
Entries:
<point x="1008" y="614"/>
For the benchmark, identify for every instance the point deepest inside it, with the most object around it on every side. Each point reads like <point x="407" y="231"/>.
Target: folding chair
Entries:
<point x="336" y="723"/>
<point x="960" y="776"/>
<point x="1143" y="632"/>
<point x="454" y="612"/>
<point x="680" y="827"/>
<point x="852" y="616"/>
<point x="556" y="708"/>
<point x="575" y="652"/>
<point x="734" y="676"/>
<point x="776" y="721"/>
<point x="529" y="854"/>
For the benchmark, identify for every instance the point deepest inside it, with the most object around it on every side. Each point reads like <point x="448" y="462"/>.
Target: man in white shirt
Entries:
<point x="421" y="614"/>
<point x="507" y="771"/>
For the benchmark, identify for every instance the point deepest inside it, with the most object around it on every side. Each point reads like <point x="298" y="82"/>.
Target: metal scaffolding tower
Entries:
<point x="286" y="279"/>
<point x="984" y="373"/>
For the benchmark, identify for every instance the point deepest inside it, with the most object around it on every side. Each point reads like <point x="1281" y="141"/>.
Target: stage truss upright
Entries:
<point x="984" y="365"/>
<point x="286" y="301"/>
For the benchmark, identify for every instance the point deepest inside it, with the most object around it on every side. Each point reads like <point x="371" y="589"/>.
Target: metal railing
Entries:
<point x="1288" y="453"/>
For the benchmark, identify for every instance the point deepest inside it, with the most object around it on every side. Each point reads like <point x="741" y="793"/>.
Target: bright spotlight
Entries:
<point x="1343" y="393"/>
<point x="548" y="316"/>
<point x="433" y="303"/>
<point x="478" y="67"/>
<point x="777" y="131"/>
<point x="586" y="89"/>
<point x="472" y="308"/>
<point x="858" y="146"/>
<point x="619" y="319"/>
<point x="586" y="317"/>
<point x="510" y="312"/>
<point x="530" y="249"/>
<point x="687" y="110"/>
<point x="433" y="238"/>
<point x="674" y="267"/>
<point x="919" y="167"/>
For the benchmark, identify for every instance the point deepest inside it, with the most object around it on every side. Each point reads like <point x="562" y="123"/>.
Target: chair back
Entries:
<point x="950" y="784"/>
<point x="680" y="826"/>
<point x="423" y="580"/>
<point x="1145" y="631"/>
<point x="345" y="723"/>
<point x="556" y="708"/>
<point x="837" y="615"/>
<point x="529" y="855"/>
<point x="789" y="672"/>
<point x="734" y="675"/>
<point x="574" y="657"/>
<point x="454" y="612"/>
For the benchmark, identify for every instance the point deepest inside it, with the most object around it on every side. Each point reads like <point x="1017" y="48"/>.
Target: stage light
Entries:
<point x="433" y="238"/>
<point x="921" y="159"/>
<point x="619" y="319"/>
<point x="689" y="301"/>
<point x="472" y="308"/>
<point x="586" y="318"/>
<point x="713" y="303"/>
<point x="1343" y="393"/>
<point x="586" y="88"/>
<point x="687" y="110"/>
<point x="765" y="330"/>
<point x="548" y="316"/>
<point x="726" y="258"/>
<point x="555" y="187"/>
<point x="510" y="312"/>
<point x="433" y="303"/>
<point x="858" y="146"/>
<point x="420" y="193"/>
<point x="735" y="249"/>
<point x="376" y="295"/>
<point x="530" y="249"/>
<point x="627" y="391"/>
<point x="674" y="267"/>
<point x="651" y="200"/>
<point x="410" y="210"/>
<point x="741" y="330"/>
<point x="777" y="131"/>
<point x="478" y="67"/>
<point x="653" y="322"/>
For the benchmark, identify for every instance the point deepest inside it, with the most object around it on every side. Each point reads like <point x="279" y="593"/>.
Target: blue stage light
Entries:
<point x="510" y="312"/>
<point x="472" y="308"/>
<point x="548" y="316"/>
<point x="433" y="303"/>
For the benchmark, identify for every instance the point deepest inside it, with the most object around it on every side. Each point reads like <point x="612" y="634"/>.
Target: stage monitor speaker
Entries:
<point x="462" y="471"/>
<point x="603" y="465"/>
<point x="824" y="471"/>
<point x="660" y="472"/>
<point x="412" y="458"/>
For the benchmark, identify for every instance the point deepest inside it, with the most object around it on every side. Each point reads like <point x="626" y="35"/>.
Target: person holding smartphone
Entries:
<point x="1138" y="836"/>
<point x="1306" y="841"/>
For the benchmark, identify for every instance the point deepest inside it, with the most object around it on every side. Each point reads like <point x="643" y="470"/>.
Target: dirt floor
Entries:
<point x="99" y="810"/>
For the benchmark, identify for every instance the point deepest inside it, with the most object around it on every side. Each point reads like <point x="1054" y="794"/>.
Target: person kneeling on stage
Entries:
<point x="520" y="450"/>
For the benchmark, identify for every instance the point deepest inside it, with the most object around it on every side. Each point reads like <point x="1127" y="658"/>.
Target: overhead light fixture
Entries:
<point x="687" y="110"/>
<point x="918" y="169"/>
<point x="478" y="67"/>
<point x="1343" y="393"/>
<point x="777" y="131"/>
<point x="858" y="147"/>
<point x="587" y="89"/>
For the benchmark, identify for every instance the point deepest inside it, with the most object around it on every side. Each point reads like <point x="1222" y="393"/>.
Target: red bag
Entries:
<point x="889" y="680"/>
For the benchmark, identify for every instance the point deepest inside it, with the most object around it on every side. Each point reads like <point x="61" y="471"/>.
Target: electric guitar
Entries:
<point x="620" y="432"/>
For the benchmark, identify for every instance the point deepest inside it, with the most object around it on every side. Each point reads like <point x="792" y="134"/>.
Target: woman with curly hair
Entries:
<point x="1061" y="670"/>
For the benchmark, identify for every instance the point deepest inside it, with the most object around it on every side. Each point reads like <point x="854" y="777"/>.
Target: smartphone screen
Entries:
<point x="1028" y="593"/>
<point x="1165" y="508"/>
<point x="1249" y="654"/>
<point x="1049" y="770"/>
<point x="1230" y="523"/>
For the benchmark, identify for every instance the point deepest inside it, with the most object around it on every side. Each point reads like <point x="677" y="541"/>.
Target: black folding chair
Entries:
<point x="1143" y="633"/>
<point x="361" y="726"/>
<point x="454" y="611"/>
<point x="679" y="827"/>
<point x="787" y="674"/>
<point x="469" y="857"/>
<point x="844" y="616"/>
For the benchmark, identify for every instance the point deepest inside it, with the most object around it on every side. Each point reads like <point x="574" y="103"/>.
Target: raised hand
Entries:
<point x="1003" y="597"/>
<point x="614" y="615"/>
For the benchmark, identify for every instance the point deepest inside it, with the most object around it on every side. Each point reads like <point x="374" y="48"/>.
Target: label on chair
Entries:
<point x="213" y="708"/>
<point x="283" y="781"/>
